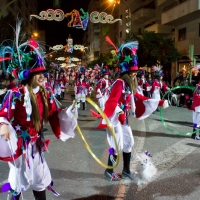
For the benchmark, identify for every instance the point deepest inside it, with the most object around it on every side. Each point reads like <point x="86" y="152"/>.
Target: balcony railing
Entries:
<point x="152" y="23"/>
<point x="173" y="5"/>
<point x="148" y="6"/>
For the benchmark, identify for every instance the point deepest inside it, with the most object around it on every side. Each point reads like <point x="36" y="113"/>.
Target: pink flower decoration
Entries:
<point x="133" y="50"/>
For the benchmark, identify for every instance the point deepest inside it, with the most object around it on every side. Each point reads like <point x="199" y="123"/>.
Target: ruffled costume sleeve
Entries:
<point x="62" y="121"/>
<point x="112" y="108"/>
<point x="10" y="148"/>
<point x="146" y="106"/>
<point x="114" y="97"/>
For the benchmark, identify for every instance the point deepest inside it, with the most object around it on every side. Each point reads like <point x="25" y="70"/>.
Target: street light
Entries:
<point x="35" y="34"/>
<point x="128" y="12"/>
<point x="116" y="1"/>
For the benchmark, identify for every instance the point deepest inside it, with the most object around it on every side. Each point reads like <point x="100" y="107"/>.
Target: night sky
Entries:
<point x="58" y="32"/>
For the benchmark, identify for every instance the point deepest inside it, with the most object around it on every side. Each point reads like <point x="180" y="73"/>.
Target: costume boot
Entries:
<point x="126" y="173"/>
<point x="193" y="134"/>
<point x="39" y="195"/>
<point x="63" y="95"/>
<point x="109" y="174"/>
<point x="197" y="134"/>
<point x="84" y="106"/>
<point x="16" y="197"/>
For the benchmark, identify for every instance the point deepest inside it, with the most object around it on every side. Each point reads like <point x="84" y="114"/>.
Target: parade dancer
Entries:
<point x="141" y="81"/>
<point x="148" y="87"/>
<point x="63" y="83"/>
<point x="21" y="118"/>
<point x="57" y="86"/>
<point x="123" y="92"/>
<point x="196" y="112"/>
<point x="81" y="88"/>
<point x="102" y="88"/>
<point x="156" y="85"/>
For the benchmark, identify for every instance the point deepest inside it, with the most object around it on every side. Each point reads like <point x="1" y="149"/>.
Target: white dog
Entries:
<point x="148" y="171"/>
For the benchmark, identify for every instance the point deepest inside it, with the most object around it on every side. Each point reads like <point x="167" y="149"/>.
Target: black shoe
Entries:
<point x="41" y="195"/>
<point x="44" y="129"/>
<point x="193" y="135"/>
<point x="111" y="177"/>
<point x="127" y="176"/>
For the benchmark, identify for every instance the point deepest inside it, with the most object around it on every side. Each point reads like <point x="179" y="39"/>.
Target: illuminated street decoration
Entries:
<point x="68" y="48"/>
<point x="63" y="65"/>
<point x="79" y="47"/>
<point x="60" y="59"/>
<point x="79" y="21"/>
<point x="85" y="18"/>
<point x="56" y="47"/>
<point x="96" y="17"/>
<point x="68" y="59"/>
<point x="75" y="59"/>
<point x="50" y="14"/>
<point x="75" y="19"/>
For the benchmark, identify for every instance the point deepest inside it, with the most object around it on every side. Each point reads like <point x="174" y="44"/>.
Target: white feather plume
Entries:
<point x="129" y="45"/>
<point x="17" y="33"/>
<point x="197" y="67"/>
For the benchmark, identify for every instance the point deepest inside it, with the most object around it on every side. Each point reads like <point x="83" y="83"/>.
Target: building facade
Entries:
<point x="95" y="33"/>
<point x="22" y="9"/>
<point x="91" y="38"/>
<point x="176" y="19"/>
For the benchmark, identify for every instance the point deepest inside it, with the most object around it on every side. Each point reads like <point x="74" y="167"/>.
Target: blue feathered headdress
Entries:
<point x="21" y="59"/>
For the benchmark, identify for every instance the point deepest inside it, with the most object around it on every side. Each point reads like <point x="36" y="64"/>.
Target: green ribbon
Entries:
<point x="161" y="115"/>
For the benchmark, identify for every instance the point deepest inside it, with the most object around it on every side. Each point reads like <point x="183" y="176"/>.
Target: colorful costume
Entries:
<point x="81" y="88"/>
<point x="24" y="150"/>
<point x="196" y="111"/>
<point x="141" y="81"/>
<point x="102" y="88"/>
<point x="56" y="85"/>
<point x="117" y="110"/>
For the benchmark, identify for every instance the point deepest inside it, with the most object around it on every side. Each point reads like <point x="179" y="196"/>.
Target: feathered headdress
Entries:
<point x="127" y="55"/>
<point x="105" y="70"/>
<point x="197" y="67"/>
<point x="82" y="70"/>
<point x="21" y="59"/>
<point x="158" y="70"/>
<point x="141" y="72"/>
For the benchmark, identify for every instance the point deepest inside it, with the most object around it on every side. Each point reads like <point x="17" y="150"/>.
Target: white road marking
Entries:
<point x="163" y="160"/>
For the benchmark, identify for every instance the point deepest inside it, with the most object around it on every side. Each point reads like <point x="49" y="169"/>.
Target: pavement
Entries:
<point x="77" y="176"/>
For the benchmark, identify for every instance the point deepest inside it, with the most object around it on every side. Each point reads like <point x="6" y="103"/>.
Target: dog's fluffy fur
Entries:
<point x="148" y="171"/>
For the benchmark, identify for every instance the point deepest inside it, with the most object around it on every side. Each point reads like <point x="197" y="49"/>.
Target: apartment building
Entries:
<point x="183" y="15"/>
<point x="176" y="19"/>
<point x="92" y="36"/>
<point x="23" y="9"/>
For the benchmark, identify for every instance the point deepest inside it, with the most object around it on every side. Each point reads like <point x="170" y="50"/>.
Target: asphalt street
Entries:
<point x="77" y="176"/>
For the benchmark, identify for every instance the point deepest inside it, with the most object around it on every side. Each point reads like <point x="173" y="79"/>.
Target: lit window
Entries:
<point x="182" y="34"/>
